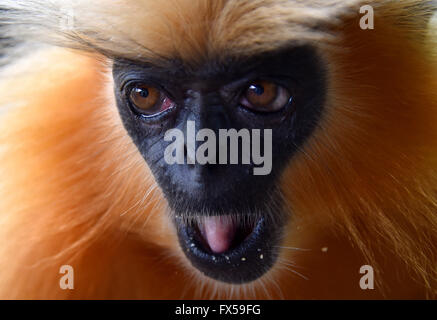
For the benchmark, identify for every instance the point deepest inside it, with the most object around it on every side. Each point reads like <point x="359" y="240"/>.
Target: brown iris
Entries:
<point x="146" y="98"/>
<point x="265" y="96"/>
<point x="262" y="93"/>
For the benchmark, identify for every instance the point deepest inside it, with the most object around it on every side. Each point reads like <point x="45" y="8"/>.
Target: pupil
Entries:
<point x="143" y="92"/>
<point x="257" y="89"/>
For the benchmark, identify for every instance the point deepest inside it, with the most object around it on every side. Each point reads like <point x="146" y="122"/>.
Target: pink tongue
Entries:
<point x="219" y="232"/>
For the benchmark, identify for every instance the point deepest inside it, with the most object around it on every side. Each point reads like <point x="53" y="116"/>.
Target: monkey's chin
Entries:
<point x="230" y="249"/>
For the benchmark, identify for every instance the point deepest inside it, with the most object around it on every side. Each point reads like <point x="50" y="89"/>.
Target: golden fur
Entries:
<point x="74" y="190"/>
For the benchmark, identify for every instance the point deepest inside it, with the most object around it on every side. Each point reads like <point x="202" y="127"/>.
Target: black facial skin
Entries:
<point x="209" y="94"/>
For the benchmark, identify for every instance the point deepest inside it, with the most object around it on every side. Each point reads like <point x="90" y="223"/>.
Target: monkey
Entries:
<point x="89" y="91"/>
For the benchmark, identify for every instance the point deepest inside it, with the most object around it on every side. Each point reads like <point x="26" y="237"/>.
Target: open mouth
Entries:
<point x="232" y="249"/>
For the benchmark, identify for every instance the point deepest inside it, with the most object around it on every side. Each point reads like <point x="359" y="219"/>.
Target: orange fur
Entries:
<point x="74" y="190"/>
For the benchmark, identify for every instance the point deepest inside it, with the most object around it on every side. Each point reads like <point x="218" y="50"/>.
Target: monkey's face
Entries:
<point x="229" y="219"/>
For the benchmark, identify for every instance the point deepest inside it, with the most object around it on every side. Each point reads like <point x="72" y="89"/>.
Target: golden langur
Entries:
<point x="346" y="90"/>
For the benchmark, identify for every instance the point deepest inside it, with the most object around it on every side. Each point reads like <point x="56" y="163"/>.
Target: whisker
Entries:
<point x="292" y="248"/>
<point x="294" y="271"/>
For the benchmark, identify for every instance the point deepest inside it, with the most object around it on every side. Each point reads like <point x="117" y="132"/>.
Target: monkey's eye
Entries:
<point x="148" y="100"/>
<point x="265" y="96"/>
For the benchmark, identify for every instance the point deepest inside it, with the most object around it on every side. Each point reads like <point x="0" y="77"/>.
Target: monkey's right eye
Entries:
<point x="148" y="100"/>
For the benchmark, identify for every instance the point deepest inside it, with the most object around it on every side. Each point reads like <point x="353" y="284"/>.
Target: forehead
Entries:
<point x="291" y="65"/>
<point x="193" y="29"/>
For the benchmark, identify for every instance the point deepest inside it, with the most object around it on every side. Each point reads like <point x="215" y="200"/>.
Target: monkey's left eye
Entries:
<point x="265" y="96"/>
<point x="148" y="100"/>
